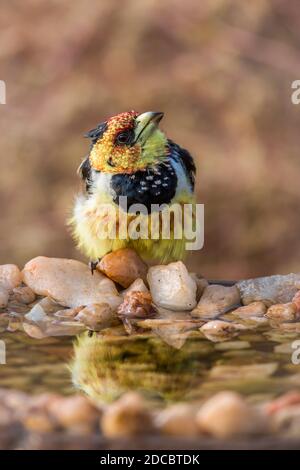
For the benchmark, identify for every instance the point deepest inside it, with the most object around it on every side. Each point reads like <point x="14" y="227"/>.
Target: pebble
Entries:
<point x="176" y="420"/>
<point x="137" y="305"/>
<point x="69" y="282"/>
<point x="123" y="266"/>
<point x="73" y="412"/>
<point x="137" y="285"/>
<point x="10" y="276"/>
<point x="227" y="414"/>
<point x="201" y="283"/>
<point x="96" y="316"/>
<point x="280" y="313"/>
<point x="296" y="300"/>
<point x="216" y="300"/>
<point x="128" y="416"/>
<point x="288" y="399"/>
<point x="255" y="309"/>
<point x="24" y="295"/>
<point x="278" y="289"/>
<point x="218" y="330"/>
<point x="4" y="296"/>
<point x="172" y="287"/>
<point x="286" y="421"/>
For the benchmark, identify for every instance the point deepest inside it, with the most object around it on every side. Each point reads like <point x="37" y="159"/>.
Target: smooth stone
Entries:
<point x="10" y="276"/>
<point x="172" y="287"/>
<point x="128" y="416"/>
<point x="227" y="414"/>
<point x="123" y="266"/>
<point x="177" y="420"/>
<point x="215" y="301"/>
<point x="69" y="282"/>
<point x="277" y="289"/>
<point x="255" y="309"/>
<point x="96" y="316"/>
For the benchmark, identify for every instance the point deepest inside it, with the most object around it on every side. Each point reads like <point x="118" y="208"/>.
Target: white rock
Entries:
<point x="172" y="287"/>
<point x="69" y="282"/>
<point x="4" y="296"/>
<point x="227" y="414"/>
<point x="10" y="276"/>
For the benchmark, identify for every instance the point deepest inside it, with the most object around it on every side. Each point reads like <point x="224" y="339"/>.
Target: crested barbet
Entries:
<point x="130" y="156"/>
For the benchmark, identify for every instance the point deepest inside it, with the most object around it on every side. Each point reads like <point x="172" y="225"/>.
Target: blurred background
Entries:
<point x="221" y="71"/>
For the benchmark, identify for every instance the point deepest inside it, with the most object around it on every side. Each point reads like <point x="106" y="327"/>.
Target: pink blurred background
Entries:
<point x="222" y="73"/>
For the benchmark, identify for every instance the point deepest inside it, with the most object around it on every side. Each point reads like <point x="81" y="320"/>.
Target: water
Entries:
<point x="257" y="364"/>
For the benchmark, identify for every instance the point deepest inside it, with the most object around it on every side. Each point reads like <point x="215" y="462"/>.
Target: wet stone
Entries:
<point x="215" y="300"/>
<point x="277" y="289"/>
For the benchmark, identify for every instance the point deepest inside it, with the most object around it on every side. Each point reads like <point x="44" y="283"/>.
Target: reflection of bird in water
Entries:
<point x="130" y="156"/>
<point x="106" y="367"/>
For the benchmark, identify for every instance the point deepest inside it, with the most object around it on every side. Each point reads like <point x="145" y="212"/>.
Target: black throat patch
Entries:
<point x="151" y="186"/>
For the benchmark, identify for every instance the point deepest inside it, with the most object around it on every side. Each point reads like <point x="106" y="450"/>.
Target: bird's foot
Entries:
<point x="93" y="265"/>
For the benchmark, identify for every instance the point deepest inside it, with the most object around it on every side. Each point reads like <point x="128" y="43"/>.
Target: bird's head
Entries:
<point x="127" y="142"/>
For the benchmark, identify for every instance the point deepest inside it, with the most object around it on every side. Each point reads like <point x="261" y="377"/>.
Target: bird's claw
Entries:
<point x="93" y="265"/>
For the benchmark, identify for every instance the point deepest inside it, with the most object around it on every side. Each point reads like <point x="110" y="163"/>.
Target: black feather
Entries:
<point x="186" y="159"/>
<point x="96" y="133"/>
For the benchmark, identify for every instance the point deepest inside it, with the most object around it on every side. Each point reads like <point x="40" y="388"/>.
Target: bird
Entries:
<point x="131" y="157"/>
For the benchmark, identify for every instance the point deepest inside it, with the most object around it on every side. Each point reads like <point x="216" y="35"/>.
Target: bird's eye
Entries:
<point x="125" y="137"/>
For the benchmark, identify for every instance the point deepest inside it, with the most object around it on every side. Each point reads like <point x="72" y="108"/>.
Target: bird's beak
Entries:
<point x="146" y="123"/>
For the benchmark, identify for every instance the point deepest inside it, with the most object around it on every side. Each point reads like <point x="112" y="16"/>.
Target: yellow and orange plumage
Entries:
<point x="130" y="156"/>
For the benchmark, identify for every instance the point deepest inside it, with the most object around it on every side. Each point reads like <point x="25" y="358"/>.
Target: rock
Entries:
<point x="255" y="309"/>
<point x="123" y="266"/>
<point x="177" y="420"/>
<point x="137" y="285"/>
<point x="69" y="282"/>
<point x="37" y="314"/>
<point x="38" y="421"/>
<point x="10" y="276"/>
<point x="227" y="414"/>
<point x="68" y="313"/>
<point x="172" y="287"/>
<point x="137" y="305"/>
<point x="244" y="372"/>
<point x="281" y="313"/>
<point x="4" y="296"/>
<point x="128" y="416"/>
<point x="96" y="316"/>
<point x="286" y="421"/>
<point x="218" y="330"/>
<point x="284" y="401"/>
<point x="296" y="300"/>
<point x="216" y="300"/>
<point x="73" y="412"/>
<point x="24" y="295"/>
<point x="278" y="289"/>
<point x="201" y="283"/>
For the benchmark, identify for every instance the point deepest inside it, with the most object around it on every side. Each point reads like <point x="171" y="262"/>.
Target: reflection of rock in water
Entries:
<point x="105" y="367"/>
